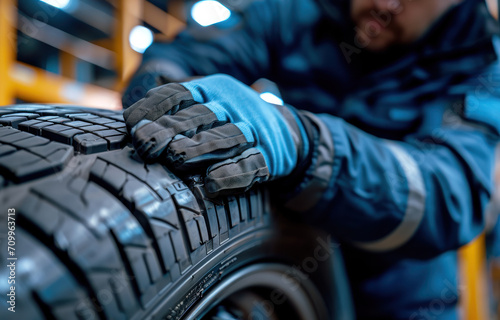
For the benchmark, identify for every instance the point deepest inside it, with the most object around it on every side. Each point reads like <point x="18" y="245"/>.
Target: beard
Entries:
<point x="377" y="30"/>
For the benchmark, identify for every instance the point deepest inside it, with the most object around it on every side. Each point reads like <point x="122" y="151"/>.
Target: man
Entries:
<point x="395" y="155"/>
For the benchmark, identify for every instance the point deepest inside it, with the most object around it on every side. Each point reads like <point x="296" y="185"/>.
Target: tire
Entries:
<point x="95" y="233"/>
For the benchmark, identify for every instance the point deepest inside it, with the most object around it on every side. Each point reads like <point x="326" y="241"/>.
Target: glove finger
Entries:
<point x="138" y="125"/>
<point x="151" y="139"/>
<point x="238" y="174"/>
<point x="207" y="147"/>
<point x="167" y="99"/>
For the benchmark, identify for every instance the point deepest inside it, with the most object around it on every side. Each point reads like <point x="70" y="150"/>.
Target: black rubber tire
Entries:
<point x="98" y="234"/>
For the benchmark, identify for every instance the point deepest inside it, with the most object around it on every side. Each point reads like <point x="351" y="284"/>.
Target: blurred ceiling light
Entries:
<point x="208" y="12"/>
<point x="140" y="38"/>
<point x="61" y="4"/>
<point x="271" y="98"/>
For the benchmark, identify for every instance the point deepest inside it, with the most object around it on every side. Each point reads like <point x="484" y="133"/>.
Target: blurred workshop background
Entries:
<point x="82" y="52"/>
<point x="79" y="51"/>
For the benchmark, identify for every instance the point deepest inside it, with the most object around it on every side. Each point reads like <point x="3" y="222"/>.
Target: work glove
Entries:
<point x="222" y="128"/>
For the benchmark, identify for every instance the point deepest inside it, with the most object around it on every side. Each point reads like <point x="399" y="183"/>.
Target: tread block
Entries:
<point x="84" y="248"/>
<point x="99" y="120"/>
<point x="193" y="234"/>
<point x="152" y="267"/>
<point x="108" y="113"/>
<point x="56" y="112"/>
<point x="60" y="133"/>
<point x="108" y="133"/>
<point x="161" y="231"/>
<point x="66" y="136"/>
<point x="49" y="220"/>
<point x="36" y="157"/>
<point x="116" y="125"/>
<point x="12" y="121"/>
<point x="84" y="116"/>
<point x="5" y="131"/>
<point x="22" y="165"/>
<point x="196" y="228"/>
<point x="54" y="119"/>
<point x="136" y="193"/>
<point x="212" y="219"/>
<point x="101" y="285"/>
<point x="221" y="217"/>
<point x="77" y="124"/>
<point x="89" y="143"/>
<point x="16" y="136"/>
<point x="53" y="151"/>
<point x="186" y="199"/>
<point x="156" y="176"/>
<point x="164" y="211"/>
<point x="116" y="116"/>
<point x="124" y="298"/>
<point x="117" y="142"/>
<point x="28" y="107"/>
<point x="55" y="128"/>
<point x="243" y="207"/>
<point x="140" y="273"/>
<point x="98" y="168"/>
<point x="202" y="227"/>
<point x="131" y="234"/>
<point x="77" y="239"/>
<point x="209" y="211"/>
<point x="234" y="216"/>
<point x="254" y="203"/>
<point x="6" y="149"/>
<point x="179" y="248"/>
<point x="68" y="200"/>
<point x="47" y="118"/>
<point x="23" y="114"/>
<point x="113" y="176"/>
<point x="4" y="111"/>
<point x="25" y="125"/>
<point x="37" y="127"/>
<point x="93" y="128"/>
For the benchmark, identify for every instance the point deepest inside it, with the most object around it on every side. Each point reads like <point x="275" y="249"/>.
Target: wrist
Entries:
<point x="304" y="187"/>
<point x="306" y="153"/>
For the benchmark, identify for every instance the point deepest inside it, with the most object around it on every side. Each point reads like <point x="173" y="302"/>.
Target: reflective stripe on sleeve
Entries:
<point x="415" y="207"/>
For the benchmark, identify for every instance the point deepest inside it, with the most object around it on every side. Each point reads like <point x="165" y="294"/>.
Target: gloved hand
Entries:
<point x="219" y="124"/>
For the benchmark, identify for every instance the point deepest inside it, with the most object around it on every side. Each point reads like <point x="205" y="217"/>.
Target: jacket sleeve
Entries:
<point x="415" y="198"/>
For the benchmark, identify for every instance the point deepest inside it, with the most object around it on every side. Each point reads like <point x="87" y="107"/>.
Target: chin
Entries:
<point x="380" y="42"/>
<point x="377" y="45"/>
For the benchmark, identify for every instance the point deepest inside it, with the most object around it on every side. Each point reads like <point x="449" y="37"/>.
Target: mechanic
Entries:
<point x="389" y="144"/>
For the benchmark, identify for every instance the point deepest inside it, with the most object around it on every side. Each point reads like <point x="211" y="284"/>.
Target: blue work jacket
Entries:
<point x="413" y="129"/>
